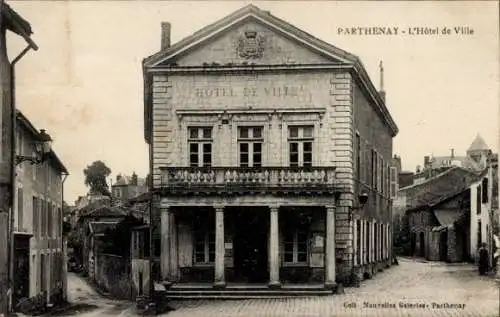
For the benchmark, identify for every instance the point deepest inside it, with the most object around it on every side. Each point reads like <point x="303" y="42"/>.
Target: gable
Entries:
<point x="253" y="43"/>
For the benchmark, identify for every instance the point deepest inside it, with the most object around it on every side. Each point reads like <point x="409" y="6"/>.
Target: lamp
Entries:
<point x="42" y="147"/>
<point x="363" y="199"/>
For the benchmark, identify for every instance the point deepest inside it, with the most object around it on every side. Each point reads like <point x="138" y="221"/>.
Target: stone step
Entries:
<point x="242" y="293"/>
<point x="237" y="296"/>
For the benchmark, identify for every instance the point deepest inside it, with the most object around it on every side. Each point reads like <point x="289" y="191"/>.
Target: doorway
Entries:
<point x="250" y="244"/>
<point x="422" y="244"/>
<point x="443" y="245"/>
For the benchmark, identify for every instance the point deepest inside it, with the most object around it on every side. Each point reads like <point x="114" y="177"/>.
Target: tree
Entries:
<point x="95" y="178"/>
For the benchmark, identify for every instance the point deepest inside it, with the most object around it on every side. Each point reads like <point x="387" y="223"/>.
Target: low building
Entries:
<point x="449" y="215"/>
<point x="38" y="236"/>
<point x="91" y="224"/>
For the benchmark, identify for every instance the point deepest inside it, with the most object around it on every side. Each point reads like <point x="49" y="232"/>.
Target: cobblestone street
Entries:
<point x="433" y="286"/>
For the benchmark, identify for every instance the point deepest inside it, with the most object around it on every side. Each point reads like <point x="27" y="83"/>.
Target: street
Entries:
<point x="414" y="288"/>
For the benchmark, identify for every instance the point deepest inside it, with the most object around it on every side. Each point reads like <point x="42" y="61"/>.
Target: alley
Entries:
<point x="434" y="289"/>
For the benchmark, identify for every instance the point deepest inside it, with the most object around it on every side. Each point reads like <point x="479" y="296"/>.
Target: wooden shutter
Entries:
<point x="393" y="182"/>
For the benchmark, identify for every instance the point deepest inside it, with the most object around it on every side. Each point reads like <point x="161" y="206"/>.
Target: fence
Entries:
<point x="112" y="275"/>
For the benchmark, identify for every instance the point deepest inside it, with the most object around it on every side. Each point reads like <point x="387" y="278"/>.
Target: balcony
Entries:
<point x="243" y="180"/>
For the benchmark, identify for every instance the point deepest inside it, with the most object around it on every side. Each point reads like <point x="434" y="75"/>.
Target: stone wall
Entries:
<point x="112" y="275"/>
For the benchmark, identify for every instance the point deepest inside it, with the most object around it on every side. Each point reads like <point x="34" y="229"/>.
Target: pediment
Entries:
<point x="253" y="38"/>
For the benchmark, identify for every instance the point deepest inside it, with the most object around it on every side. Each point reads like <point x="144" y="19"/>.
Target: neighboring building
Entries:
<point x="39" y="245"/>
<point x="92" y="223"/>
<point x="449" y="214"/>
<point x="11" y="21"/>
<point x="262" y="139"/>
<point x="127" y="187"/>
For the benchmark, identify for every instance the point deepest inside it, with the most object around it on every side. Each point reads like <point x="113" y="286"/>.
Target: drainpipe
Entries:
<point x="64" y="276"/>
<point x="10" y="242"/>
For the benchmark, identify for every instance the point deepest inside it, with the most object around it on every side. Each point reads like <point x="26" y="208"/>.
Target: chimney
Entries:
<point x="427" y="160"/>
<point x="452" y="153"/>
<point x="165" y="35"/>
<point x="382" y="92"/>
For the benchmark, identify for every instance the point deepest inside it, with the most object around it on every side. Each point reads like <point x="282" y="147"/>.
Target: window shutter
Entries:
<point x="393" y="182"/>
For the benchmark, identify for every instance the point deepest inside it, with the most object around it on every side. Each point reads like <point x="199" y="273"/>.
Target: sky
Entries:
<point x="84" y="84"/>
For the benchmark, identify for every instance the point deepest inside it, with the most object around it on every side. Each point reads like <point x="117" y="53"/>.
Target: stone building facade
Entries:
<point x="262" y="138"/>
<point x="39" y="261"/>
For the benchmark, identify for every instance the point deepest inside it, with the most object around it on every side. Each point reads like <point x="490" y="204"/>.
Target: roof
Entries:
<point x="210" y="31"/>
<point x="478" y="144"/>
<point x="17" y="24"/>
<point x="100" y="227"/>
<point x="105" y="211"/>
<point x="447" y="217"/>
<point x="23" y="120"/>
<point x="464" y="161"/>
<point x="127" y="180"/>
<point x="444" y="186"/>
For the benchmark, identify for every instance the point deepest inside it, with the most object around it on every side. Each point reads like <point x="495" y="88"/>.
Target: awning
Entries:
<point x="447" y="217"/>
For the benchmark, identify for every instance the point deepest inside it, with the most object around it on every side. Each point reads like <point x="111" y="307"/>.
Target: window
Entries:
<point x="35" y="216"/>
<point x="479" y="233"/>
<point x="382" y="176"/>
<point x="367" y="242"/>
<point x="250" y="146"/>
<point x="376" y="242"/>
<point x="295" y="246"/>
<point x="59" y="221"/>
<point x="374" y="169"/>
<point x="200" y="147"/>
<point x="358" y="157"/>
<point x="300" y="141"/>
<point x="393" y="181"/>
<point x="478" y="199"/>
<point x="485" y="190"/>
<point x="50" y="220"/>
<point x="20" y="209"/>
<point x="358" y="242"/>
<point x="204" y="236"/>
<point x="42" y="273"/>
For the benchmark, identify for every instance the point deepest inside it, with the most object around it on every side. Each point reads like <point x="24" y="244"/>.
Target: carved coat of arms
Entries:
<point x="251" y="45"/>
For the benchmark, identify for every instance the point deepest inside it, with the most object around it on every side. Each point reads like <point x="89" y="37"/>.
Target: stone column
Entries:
<point x="330" y="248"/>
<point x="274" y="261"/>
<point x="165" y="243"/>
<point x="219" y="247"/>
<point x="174" y="267"/>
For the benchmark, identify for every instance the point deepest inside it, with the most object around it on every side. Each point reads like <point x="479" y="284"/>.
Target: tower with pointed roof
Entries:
<point x="478" y="150"/>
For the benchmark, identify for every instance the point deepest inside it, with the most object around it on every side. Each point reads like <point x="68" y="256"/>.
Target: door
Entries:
<point x="250" y="246"/>
<point x="422" y="244"/>
<point x="443" y="245"/>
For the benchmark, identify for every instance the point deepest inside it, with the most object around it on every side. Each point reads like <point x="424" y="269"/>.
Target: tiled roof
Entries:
<point x="105" y="211"/>
<point x="439" y="188"/>
<point x="99" y="227"/>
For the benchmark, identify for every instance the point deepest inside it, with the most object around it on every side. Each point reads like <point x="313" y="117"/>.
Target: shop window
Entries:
<point x="295" y="251"/>
<point x="204" y="240"/>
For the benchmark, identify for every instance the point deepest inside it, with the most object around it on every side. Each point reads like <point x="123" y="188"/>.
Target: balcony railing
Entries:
<point x="242" y="179"/>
